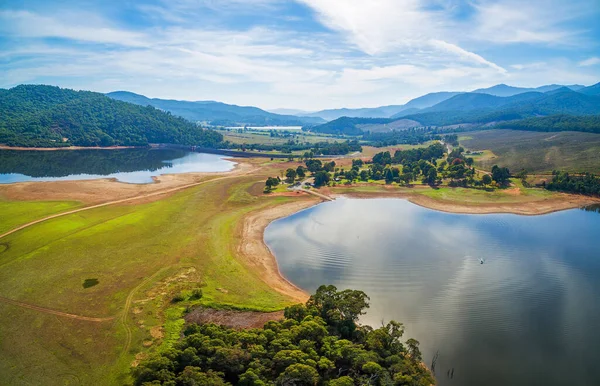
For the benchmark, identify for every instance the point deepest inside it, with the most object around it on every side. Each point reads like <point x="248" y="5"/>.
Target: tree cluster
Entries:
<point x="319" y="343"/>
<point x="583" y="184"/>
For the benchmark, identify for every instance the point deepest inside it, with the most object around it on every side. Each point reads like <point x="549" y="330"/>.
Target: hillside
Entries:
<point x="590" y="123"/>
<point x="47" y="116"/>
<point x="591" y="90"/>
<point x="216" y="113"/>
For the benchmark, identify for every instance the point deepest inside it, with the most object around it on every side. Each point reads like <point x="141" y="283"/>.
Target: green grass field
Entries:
<point x="15" y="213"/>
<point x="193" y="231"/>
<point x="537" y="152"/>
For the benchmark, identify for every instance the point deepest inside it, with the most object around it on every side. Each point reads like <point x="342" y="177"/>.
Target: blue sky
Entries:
<point x="304" y="54"/>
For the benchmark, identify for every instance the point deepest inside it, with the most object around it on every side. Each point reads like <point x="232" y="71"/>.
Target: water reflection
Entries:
<point x="529" y="315"/>
<point x="126" y="165"/>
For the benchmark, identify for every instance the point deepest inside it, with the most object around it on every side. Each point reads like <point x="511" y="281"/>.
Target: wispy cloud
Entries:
<point x="593" y="61"/>
<point x="308" y="54"/>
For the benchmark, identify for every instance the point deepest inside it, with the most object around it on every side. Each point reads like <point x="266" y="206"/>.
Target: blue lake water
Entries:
<point x="136" y="166"/>
<point x="530" y="315"/>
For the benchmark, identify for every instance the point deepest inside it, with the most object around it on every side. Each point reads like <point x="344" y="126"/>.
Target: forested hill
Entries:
<point x="48" y="116"/>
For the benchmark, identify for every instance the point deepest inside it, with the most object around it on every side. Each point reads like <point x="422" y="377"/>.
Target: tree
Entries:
<point x="314" y="165"/>
<point x="383" y="158"/>
<point x="329" y="166"/>
<point x="300" y="171"/>
<point x="271" y="183"/>
<point x="291" y="175"/>
<point x="364" y="175"/>
<point x="322" y="178"/>
<point x="486" y="179"/>
<point x="389" y="176"/>
<point x="500" y="175"/>
<point x="431" y="177"/>
<point x="298" y="375"/>
<point x="357" y="162"/>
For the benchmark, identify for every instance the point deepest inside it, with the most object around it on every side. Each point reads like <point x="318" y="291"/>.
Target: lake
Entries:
<point x="530" y="315"/>
<point x="136" y="166"/>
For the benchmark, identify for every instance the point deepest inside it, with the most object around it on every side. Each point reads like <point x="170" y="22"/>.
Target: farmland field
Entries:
<point x="536" y="152"/>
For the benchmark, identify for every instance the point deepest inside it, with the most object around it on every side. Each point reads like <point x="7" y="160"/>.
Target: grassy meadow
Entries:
<point x="535" y="151"/>
<point x="142" y="255"/>
<point x="15" y="213"/>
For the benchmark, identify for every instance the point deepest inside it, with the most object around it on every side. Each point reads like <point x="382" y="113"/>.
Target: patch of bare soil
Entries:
<point x="231" y="318"/>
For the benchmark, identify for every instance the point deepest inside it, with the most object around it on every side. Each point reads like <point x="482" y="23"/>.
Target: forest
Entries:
<point x="47" y="116"/>
<point x="583" y="184"/>
<point x="589" y="124"/>
<point x="320" y="343"/>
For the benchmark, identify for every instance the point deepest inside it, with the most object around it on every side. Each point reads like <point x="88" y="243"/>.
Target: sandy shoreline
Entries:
<point x="256" y="254"/>
<point x="528" y="208"/>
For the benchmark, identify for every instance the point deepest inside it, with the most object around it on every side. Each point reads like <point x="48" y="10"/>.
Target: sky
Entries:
<point x="303" y="54"/>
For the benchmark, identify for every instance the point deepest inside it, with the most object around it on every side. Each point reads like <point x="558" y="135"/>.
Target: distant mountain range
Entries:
<point x="216" y="113"/>
<point x="478" y="108"/>
<point x="429" y="100"/>
<point x="504" y="90"/>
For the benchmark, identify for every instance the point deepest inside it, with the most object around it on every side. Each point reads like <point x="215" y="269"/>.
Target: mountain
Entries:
<point x="47" y="116"/>
<point x="290" y="112"/>
<point x="390" y="111"/>
<point x="472" y="101"/>
<point x="367" y="112"/>
<point x="216" y="113"/>
<point x="503" y="90"/>
<point x="591" y="90"/>
<point x="482" y="108"/>
<point x="429" y="100"/>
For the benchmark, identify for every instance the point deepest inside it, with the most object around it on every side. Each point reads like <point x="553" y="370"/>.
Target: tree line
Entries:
<point x="319" y="148"/>
<point x="319" y="343"/>
<point x="586" y="183"/>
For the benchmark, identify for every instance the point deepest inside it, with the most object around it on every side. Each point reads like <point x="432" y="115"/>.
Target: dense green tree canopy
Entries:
<point x="46" y="116"/>
<point x="319" y="343"/>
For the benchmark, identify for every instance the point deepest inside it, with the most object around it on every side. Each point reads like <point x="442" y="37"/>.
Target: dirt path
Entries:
<point x="53" y="312"/>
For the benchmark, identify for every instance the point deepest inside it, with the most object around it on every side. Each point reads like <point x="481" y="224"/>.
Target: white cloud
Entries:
<point x="376" y="53"/>
<point x="534" y="21"/>
<point x="590" y="62"/>
<point x="76" y="26"/>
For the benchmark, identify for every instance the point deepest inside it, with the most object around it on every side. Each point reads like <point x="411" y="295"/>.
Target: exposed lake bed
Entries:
<point x="527" y="315"/>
